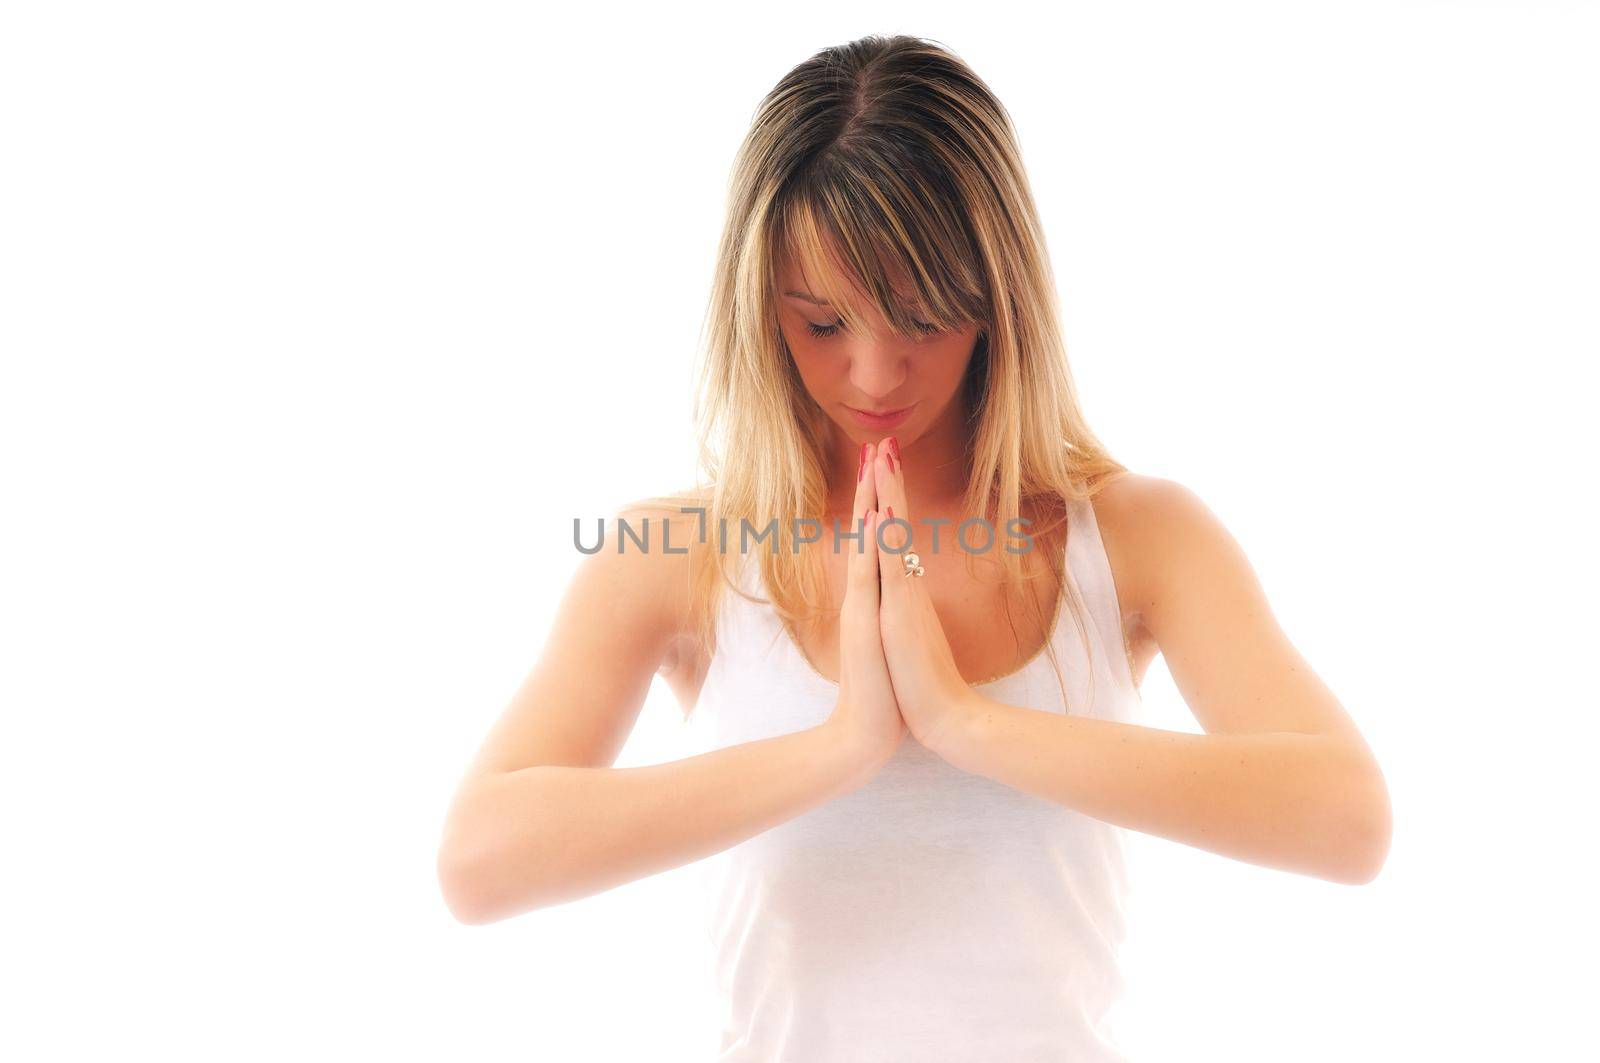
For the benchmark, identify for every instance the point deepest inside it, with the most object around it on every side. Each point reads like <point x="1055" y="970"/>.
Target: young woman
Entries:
<point x="884" y="359"/>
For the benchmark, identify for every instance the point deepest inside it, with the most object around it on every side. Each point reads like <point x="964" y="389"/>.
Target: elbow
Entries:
<point x="462" y="883"/>
<point x="490" y="868"/>
<point x="469" y="866"/>
<point x="1362" y="865"/>
<point x="1367" y="839"/>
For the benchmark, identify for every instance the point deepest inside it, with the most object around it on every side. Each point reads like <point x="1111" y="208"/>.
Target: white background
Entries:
<point x="322" y="321"/>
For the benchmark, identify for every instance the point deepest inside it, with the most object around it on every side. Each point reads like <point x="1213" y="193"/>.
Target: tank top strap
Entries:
<point x="1091" y="568"/>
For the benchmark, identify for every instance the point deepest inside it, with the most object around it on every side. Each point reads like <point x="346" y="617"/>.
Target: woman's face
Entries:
<point x="914" y="381"/>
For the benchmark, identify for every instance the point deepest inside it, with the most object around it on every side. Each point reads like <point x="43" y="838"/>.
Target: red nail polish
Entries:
<point x="891" y="513"/>
<point x="894" y="448"/>
<point x="888" y="458"/>
<point x="861" y="469"/>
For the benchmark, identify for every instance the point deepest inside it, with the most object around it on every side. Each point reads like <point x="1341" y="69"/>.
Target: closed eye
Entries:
<point x="824" y="331"/>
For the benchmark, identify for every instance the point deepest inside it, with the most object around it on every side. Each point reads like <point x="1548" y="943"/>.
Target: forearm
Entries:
<point x="1300" y="802"/>
<point x="549" y="834"/>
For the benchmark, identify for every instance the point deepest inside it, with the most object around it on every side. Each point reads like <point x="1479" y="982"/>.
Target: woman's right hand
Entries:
<point x="867" y="715"/>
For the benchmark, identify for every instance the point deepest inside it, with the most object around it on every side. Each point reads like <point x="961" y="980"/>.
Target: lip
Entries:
<point x="881" y="420"/>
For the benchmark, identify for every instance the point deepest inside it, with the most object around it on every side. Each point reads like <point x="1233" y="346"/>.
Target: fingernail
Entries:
<point x="861" y="469"/>
<point x="891" y="512"/>
<point x="894" y="448"/>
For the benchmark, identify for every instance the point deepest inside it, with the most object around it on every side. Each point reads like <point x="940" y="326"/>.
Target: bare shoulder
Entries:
<point x="646" y="545"/>
<point x="1149" y="524"/>
<point x="1150" y="521"/>
<point x="655" y="576"/>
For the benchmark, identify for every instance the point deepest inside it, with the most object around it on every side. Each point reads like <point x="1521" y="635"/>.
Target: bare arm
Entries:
<point x="552" y="833"/>
<point x="1282" y="778"/>
<point x="542" y="818"/>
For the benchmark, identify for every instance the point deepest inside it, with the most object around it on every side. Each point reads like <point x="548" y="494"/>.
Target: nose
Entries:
<point x="878" y="369"/>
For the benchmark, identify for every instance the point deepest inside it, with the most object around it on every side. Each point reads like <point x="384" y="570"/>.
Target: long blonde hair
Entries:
<point x="889" y="157"/>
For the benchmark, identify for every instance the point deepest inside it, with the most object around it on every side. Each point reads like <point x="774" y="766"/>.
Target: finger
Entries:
<point x="860" y="560"/>
<point x="866" y="483"/>
<point x="858" y="614"/>
<point x="888" y="471"/>
<point x="863" y="564"/>
<point x="896" y="540"/>
<point x="889" y="564"/>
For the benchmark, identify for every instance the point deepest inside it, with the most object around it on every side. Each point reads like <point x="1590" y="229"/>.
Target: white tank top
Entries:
<point x="932" y="914"/>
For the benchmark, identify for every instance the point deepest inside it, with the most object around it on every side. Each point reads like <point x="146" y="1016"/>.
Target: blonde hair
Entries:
<point x="889" y="158"/>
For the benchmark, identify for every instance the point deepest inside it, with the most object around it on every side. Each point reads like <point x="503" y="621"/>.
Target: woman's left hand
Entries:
<point x="934" y="698"/>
